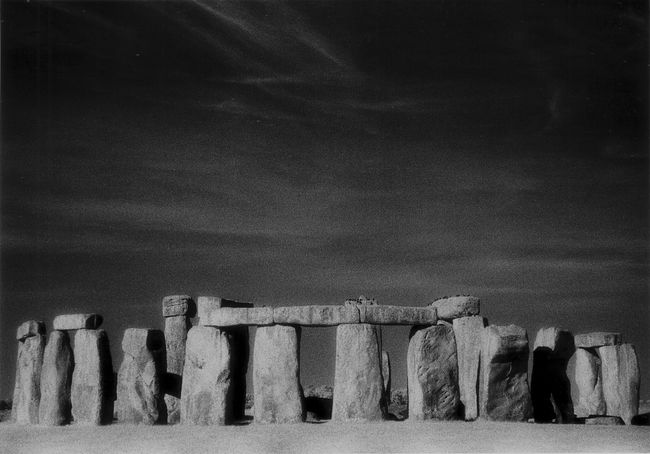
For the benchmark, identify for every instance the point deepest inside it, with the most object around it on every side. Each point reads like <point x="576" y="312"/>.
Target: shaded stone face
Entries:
<point x="468" y="333"/>
<point x="503" y="388"/>
<point x="433" y="374"/>
<point x="276" y="375"/>
<point x="206" y="393"/>
<point x="92" y="392"/>
<point x="385" y="372"/>
<point x="591" y="400"/>
<point x="29" y="328"/>
<point x="27" y="391"/>
<point x="77" y="321"/>
<point x="176" y="329"/>
<point x="620" y="372"/>
<point x="56" y="381"/>
<point x="453" y="307"/>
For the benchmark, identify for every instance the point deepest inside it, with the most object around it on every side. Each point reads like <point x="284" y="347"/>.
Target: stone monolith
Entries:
<point x="176" y="329"/>
<point x="27" y="391"/>
<point x="620" y="372"/>
<point x="503" y="387"/>
<point x="278" y="395"/>
<point x="589" y="382"/>
<point x="432" y="374"/>
<point x="467" y="333"/>
<point x="92" y="392"/>
<point x="56" y="381"/>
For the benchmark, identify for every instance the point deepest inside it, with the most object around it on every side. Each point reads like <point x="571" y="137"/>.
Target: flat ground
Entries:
<point x="389" y="436"/>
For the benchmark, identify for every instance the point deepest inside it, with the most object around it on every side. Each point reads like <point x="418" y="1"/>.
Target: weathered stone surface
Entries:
<point x="315" y="315"/>
<point x="178" y="305"/>
<point x="56" y="380"/>
<point x="432" y="373"/>
<point x="467" y="333"/>
<point x="92" y="392"/>
<point x="139" y="391"/>
<point x="175" y="336"/>
<point x="397" y="315"/>
<point x="385" y="373"/>
<point x="205" y="305"/>
<point x="27" y="392"/>
<point x="598" y="339"/>
<point x="361" y="301"/>
<point x="358" y="383"/>
<point x="77" y="321"/>
<point x="620" y="372"/>
<point x="30" y="328"/>
<point x="550" y="386"/>
<point x="278" y="395"/>
<point x="503" y="387"/>
<point x="591" y="401"/>
<point x="457" y="306"/>
<point x="604" y="421"/>
<point x="234" y="316"/>
<point x="206" y="394"/>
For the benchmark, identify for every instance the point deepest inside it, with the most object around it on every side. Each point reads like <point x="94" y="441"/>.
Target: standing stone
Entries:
<point x="278" y="396"/>
<point x="550" y="386"/>
<point x="467" y="333"/>
<point x="27" y="393"/>
<point x="92" y="393"/>
<point x="206" y="394"/>
<point x="139" y="391"/>
<point x="29" y="328"/>
<point x="620" y="371"/>
<point x="358" y="383"/>
<point x="591" y="401"/>
<point x="175" y="337"/>
<point x="503" y="387"/>
<point x="432" y="368"/>
<point x="56" y="381"/>
<point x="385" y="372"/>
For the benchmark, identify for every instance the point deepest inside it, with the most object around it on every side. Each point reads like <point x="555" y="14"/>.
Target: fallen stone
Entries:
<point x="591" y="340"/>
<point x="234" y="316"/>
<point x="550" y="386"/>
<point x="604" y="421"/>
<point x="175" y="336"/>
<point x="503" y="387"/>
<point x="397" y="315"/>
<point x="315" y="315"/>
<point x="77" y="321"/>
<point x="27" y="392"/>
<point x="591" y="401"/>
<point x="206" y="394"/>
<point x="452" y="307"/>
<point x="178" y="305"/>
<point x="205" y="305"/>
<point x="467" y="333"/>
<point x="620" y="372"/>
<point x="56" y="380"/>
<point x="432" y="374"/>
<point x="278" y="395"/>
<point x="385" y="373"/>
<point x="30" y="328"/>
<point x="92" y="392"/>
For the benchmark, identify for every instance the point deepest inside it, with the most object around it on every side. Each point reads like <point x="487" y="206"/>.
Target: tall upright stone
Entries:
<point x="503" y="380"/>
<point x="56" y="381"/>
<point x="385" y="372"/>
<point x="92" y="392"/>
<point x="550" y="385"/>
<point x="278" y="396"/>
<point x="467" y="333"/>
<point x="588" y="379"/>
<point x="432" y="374"/>
<point x="207" y="393"/>
<point x="620" y="372"/>
<point x="27" y="391"/>
<point x="177" y="310"/>
<point x="139" y="391"/>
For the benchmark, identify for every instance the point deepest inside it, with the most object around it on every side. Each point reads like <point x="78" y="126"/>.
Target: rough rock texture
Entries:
<point x="361" y="301"/>
<point x="467" y="333"/>
<point x="139" y="391"/>
<point x="92" y="392"/>
<point x="175" y="336"/>
<point x="385" y="373"/>
<point x="235" y="316"/>
<point x="599" y="339"/>
<point x="432" y="373"/>
<point x="177" y="305"/>
<point x="29" y="328"/>
<point x="503" y="386"/>
<point x="550" y="386"/>
<point x="397" y="315"/>
<point x="27" y="392"/>
<point x="207" y="394"/>
<point x="278" y="395"/>
<point x="315" y="315"/>
<point x="591" y="401"/>
<point x="604" y="421"/>
<point x="56" y="380"/>
<point x="457" y="306"/>
<point x="77" y="321"/>
<point x="620" y="372"/>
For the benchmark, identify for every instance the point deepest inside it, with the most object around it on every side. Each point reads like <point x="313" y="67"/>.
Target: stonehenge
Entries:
<point x="194" y="372"/>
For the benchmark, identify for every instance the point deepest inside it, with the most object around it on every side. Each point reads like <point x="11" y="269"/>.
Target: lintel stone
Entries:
<point x="178" y="305"/>
<point x="453" y="307"/>
<point x="598" y="339"/>
<point x="234" y="316"/>
<point x="316" y="315"/>
<point x="397" y="315"/>
<point x="77" y="321"/>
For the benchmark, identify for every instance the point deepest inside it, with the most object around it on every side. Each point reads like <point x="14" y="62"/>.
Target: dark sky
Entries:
<point x="307" y="152"/>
